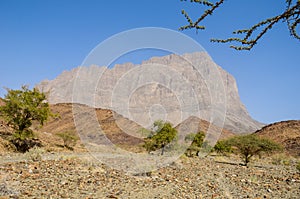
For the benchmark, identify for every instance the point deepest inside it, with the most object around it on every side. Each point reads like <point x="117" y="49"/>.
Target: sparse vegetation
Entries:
<point x="35" y="154"/>
<point x="69" y="138"/>
<point x="250" y="145"/>
<point x="207" y="147"/>
<point x="21" y="108"/>
<point x="281" y="159"/>
<point x="161" y="135"/>
<point x="196" y="143"/>
<point x="222" y="147"/>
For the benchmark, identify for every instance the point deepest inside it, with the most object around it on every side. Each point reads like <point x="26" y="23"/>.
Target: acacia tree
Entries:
<point x="160" y="137"/>
<point x="196" y="144"/>
<point x="222" y="147"/>
<point x="21" y="108"/>
<point x="250" y="36"/>
<point x="250" y="145"/>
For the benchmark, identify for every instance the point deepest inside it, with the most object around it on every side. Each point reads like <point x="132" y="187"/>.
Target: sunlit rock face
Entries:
<point x="171" y="88"/>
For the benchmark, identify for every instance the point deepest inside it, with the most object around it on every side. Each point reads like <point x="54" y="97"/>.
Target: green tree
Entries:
<point x="290" y="16"/>
<point x="21" y="108"/>
<point x="250" y="145"/>
<point x="222" y="147"/>
<point x="160" y="137"/>
<point x="196" y="143"/>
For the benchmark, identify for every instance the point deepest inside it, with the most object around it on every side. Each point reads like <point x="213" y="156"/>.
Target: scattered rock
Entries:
<point x="205" y="178"/>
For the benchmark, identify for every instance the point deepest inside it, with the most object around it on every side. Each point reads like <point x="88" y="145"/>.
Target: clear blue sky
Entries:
<point x="41" y="38"/>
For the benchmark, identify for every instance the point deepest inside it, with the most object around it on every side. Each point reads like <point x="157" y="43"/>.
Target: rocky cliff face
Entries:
<point x="170" y="87"/>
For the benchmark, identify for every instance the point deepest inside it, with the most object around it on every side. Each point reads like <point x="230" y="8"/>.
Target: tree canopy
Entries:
<point x="250" y="145"/>
<point x="163" y="133"/>
<point x="250" y="36"/>
<point x="21" y="108"/>
<point x="196" y="143"/>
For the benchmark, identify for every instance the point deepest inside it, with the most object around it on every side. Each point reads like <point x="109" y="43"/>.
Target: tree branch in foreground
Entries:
<point x="251" y="35"/>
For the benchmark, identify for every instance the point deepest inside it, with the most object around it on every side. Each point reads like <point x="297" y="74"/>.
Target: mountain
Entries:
<point x="171" y="87"/>
<point x="286" y="133"/>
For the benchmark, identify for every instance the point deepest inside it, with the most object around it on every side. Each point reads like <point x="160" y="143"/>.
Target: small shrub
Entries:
<point x="69" y="138"/>
<point x="281" y="159"/>
<point x="35" y="154"/>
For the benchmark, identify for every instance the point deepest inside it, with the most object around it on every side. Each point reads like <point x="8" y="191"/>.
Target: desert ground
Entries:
<point x="78" y="175"/>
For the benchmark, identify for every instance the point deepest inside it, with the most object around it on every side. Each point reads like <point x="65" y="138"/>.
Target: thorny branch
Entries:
<point x="254" y="33"/>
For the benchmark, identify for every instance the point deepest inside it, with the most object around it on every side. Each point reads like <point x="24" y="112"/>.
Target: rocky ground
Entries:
<point x="71" y="176"/>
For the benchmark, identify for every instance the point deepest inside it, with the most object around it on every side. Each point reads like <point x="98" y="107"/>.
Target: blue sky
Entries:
<point x="39" y="39"/>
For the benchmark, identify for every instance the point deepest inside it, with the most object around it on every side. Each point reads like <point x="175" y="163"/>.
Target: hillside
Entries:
<point x="286" y="132"/>
<point x="204" y="126"/>
<point x="65" y="123"/>
<point x="112" y="124"/>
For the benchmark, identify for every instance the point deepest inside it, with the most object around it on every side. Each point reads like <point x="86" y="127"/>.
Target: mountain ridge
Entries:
<point x="100" y="83"/>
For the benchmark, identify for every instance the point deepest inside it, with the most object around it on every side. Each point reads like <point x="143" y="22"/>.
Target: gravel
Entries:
<point x="75" y="177"/>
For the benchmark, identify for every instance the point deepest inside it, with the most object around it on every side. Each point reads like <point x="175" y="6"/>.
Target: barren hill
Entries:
<point x="205" y="126"/>
<point x="65" y="123"/>
<point x="112" y="125"/>
<point x="286" y="132"/>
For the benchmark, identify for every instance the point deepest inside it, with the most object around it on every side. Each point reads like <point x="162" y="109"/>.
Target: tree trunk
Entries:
<point x="247" y="159"/>
<point x="163" y="149"/>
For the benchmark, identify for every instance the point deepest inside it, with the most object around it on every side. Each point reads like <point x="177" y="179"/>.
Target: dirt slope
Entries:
<point x="65" y="123"/>
<point x="112" y="124"/>
<point x="286" y="132"/>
